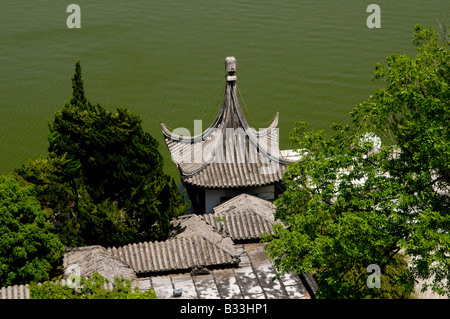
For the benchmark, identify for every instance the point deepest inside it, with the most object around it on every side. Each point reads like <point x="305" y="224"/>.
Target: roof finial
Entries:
<point x="230" y="67"/>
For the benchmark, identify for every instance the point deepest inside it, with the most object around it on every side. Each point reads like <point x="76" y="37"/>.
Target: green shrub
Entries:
<point x="90" y="288"/>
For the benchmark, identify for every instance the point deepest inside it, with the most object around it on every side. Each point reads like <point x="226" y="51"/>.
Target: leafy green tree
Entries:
<point x="91" y="288"/>
<point x="350" y="203"/>
<point x="342" y="217"/>
<point x="413" y="113"/>
<point x="29" y="250"/>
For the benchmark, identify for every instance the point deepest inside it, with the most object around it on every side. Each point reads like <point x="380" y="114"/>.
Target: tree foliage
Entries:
<point x="103" y="178"/>
<point x="94" y="287"/>
<point x="413" y="113"/>
<point x="28" y="249"/>
<point x="349" y="204"/>
<point x="78" y="96"/>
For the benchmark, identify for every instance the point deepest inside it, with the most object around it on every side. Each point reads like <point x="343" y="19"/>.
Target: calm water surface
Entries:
<point x="310" y="60"/>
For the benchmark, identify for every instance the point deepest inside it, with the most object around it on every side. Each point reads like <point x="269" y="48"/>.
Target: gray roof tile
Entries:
<point x="89" y="259"/>
<point x="172" y="255"/>
<point x="194" y="243"/>
<point x="244" y="217"/>
<point x="15" y="292"/>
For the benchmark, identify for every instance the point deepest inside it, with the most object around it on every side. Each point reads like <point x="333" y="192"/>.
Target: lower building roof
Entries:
<point x="196" y="243"/>
<point x="85" y="261"/>
<point x="252" y="279"/>
<point x="179" y="254"/>
<point x="244" y="217"/>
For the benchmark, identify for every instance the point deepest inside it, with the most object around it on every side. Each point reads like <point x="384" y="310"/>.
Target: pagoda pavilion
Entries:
<point x="229" y="157"/>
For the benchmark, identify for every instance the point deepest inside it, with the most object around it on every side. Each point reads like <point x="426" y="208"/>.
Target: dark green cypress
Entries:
<point x="78" y="96"/>
<point x="108" y="186"/>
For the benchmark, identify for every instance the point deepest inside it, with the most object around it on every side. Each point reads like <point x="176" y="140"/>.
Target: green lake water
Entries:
<point x="310" y="60"/>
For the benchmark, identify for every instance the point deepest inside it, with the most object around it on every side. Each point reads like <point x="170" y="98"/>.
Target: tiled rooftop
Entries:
<point x="200" y="257"/>
<point x="180" y="254"/>
<point x="244" y="218"/>
<point x="252" y="279"/>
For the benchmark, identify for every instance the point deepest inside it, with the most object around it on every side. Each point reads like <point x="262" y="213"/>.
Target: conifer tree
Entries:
<point x="108" y="186"/>
<point x="78" y="87"/>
